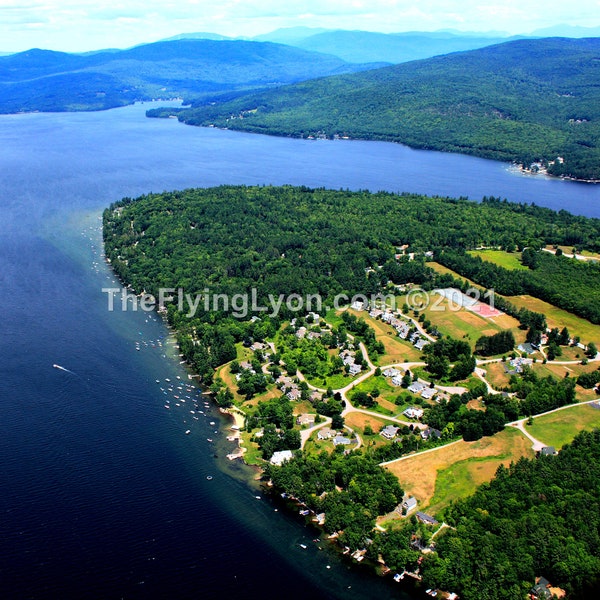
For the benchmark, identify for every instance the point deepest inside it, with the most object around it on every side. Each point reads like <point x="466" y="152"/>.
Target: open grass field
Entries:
<point x="496" y="375"/>
<point x="556" y="317"/>
<point x="358" y="421"/>
<point x="507" y="260"/>
<point x="466" y="324"/>
<point x="452" y="472"/>
<point x="335" y="382"/>
<point x="559" y="428"/>
<point x="386" y="390"/>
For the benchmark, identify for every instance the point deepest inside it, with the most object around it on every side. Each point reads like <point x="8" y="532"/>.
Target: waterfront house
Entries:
<point x="280" y="457"/>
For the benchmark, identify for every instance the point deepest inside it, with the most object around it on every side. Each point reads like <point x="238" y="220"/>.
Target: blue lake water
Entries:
<point x="103" y="494"/>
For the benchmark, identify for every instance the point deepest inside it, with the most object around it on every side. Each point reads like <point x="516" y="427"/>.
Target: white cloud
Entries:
<point x="91" y="24"/>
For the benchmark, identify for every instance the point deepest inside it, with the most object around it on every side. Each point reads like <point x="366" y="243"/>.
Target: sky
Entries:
<point x="81" y="25"/>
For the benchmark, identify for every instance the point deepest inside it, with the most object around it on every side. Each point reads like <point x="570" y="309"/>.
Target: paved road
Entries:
<point x="306" y="433"/>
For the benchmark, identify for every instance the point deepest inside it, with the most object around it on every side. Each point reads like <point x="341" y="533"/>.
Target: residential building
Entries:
<point x="427" y="519"/>
<point x="280" y="457"/>
<point x="413" y="413"/>
<point x="326" y="433"/>
<point x="428" y="393"/>
<point x="416" y="387"/>
<point x="305" y="419"/>
<point x="389" y="432"/>
<point x="390" y="372"/>
<point x="341" y="440"/>
<point x="430" y="432"/>
<point x="408" y="505"/>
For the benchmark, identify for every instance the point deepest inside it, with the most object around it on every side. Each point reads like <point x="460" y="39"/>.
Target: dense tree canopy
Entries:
<point x="525" y="100"/>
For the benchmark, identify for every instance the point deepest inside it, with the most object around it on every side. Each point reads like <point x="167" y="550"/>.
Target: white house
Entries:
<point x="428" y="393"/>
<point x="413" y="413"/>
<point x="354" y="369"/>
<point x="280" y="457"/>
<point x="416" y="387"/>
<point x="391" y="372"/>
<point x="409" y="504"/>
<point x="397" y="380"/>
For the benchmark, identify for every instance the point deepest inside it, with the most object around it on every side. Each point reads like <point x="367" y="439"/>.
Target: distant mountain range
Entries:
<point x="55" y="81"/>
<point x="524" y="100"/>
<point x="366" y="46"/>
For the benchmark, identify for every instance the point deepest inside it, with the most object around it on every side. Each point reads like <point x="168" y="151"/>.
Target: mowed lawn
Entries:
<point x="455" y="471"/>
<point x="507" y="260"/>
<point x="556" y="317"/>
<point x="559" y="428"/>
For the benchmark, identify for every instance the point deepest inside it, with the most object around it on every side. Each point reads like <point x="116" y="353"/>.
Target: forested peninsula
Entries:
<point x="532" y="102"/>
<point x="537" y="517"/>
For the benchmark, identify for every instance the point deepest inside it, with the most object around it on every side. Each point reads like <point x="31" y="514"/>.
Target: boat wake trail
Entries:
<point x="63" y="369"/>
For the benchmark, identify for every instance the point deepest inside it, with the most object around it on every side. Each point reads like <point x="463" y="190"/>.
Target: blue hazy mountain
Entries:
<point x="55" y="81"/>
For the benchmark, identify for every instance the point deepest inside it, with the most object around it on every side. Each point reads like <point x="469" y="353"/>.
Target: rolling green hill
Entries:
<point x="55" y="81"/>
<point x="522" y="101"/>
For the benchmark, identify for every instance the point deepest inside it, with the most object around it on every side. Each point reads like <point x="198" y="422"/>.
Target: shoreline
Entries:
<point x="519" y="168"/>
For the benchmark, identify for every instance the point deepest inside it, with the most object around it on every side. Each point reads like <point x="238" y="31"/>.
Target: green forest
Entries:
<point x="524" y="101"/>
<point x="230" y="239"/>
<point x="298" y="240"/>
<point x="537" y="517"/>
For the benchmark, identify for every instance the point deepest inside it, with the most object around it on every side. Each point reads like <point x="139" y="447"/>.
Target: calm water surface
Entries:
<point x="103" y="493"/>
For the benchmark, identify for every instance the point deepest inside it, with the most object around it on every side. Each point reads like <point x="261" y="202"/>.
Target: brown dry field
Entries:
<point x="478" y="462"/>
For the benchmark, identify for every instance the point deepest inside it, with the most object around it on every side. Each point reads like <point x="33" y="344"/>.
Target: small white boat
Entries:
<point x="303" y="546"/>
<point x="188" y="431"/>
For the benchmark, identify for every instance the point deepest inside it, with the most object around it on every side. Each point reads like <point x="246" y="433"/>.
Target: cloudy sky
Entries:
<point x="78" y="25"/>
